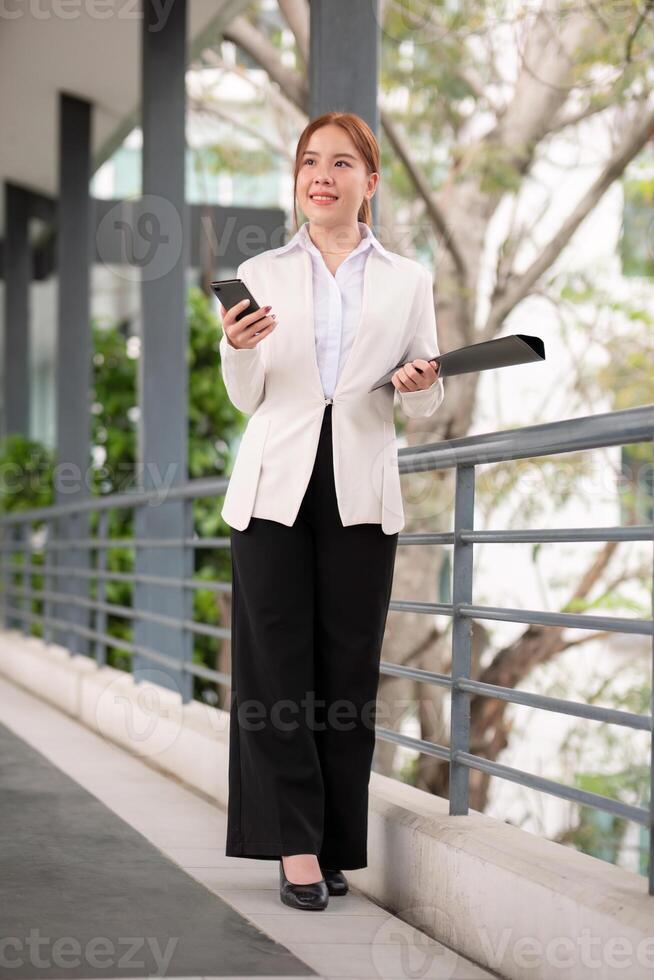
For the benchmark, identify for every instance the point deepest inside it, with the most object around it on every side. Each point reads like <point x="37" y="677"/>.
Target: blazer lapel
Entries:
<point x="306" y="319"/>
<point x="378" y="282"/>
<point x="374" y="273"/>
<point x="381" y="289"/>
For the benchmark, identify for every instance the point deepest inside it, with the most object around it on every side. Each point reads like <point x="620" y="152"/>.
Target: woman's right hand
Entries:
<point x="242" y="333"/>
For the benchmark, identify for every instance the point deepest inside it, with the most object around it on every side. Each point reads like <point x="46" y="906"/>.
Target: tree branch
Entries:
<point x="253" y="42"/>
<point x="562" y="121"/>
<point x="294" y="86"/>
<point x="296" y="15"/>
<point x="419" y="181"/>
<point x="517" y="288"/>
<point x="200" y="106"/>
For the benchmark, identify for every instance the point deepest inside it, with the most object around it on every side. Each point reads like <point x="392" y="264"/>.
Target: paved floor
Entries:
<point x="111" y="869"/>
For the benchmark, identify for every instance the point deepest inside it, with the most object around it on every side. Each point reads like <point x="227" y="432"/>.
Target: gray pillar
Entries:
<point x="344" y="58"/>
<point x="74" y="346"/>
<point x="17" y="277"/>
<point x="162" y="239"/>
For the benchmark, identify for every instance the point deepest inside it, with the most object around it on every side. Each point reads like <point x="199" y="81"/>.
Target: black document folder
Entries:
<point x="518" y="348"/>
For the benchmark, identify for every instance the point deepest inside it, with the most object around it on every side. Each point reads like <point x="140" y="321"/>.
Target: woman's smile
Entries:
<point x="322" y="201"/>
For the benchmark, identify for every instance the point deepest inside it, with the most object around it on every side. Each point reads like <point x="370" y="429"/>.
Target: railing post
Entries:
<point x="464" y="510"/>
<point x="80" y="557"/>
<point x="59" y="607"/>
<point x="48" y="582"/>
<point x="6" y="536"/>
<point x="71" y="529"/>
<point x="65" y="585"/>
<point x="27" y="577"/>
<point x="64" y="582"/>
<point x="101" y="588"/>
<point x="12" y="602"/>
<point x="166" y="519"/>
<point x="188" y="563"/>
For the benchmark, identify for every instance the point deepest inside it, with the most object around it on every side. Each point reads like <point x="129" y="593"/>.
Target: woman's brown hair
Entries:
<point x="363" y="138"/>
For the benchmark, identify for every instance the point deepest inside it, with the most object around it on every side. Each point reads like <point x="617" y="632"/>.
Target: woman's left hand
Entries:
<point x="407" y="378"/>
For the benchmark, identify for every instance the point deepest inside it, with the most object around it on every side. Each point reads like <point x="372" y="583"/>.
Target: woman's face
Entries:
<point x="331" y="165"/>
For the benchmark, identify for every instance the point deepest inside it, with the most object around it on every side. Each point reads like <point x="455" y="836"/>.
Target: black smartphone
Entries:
<point x="233" y="291"/>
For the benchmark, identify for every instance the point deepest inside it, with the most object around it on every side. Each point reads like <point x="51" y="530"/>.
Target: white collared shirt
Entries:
<point x="336" y="300"/>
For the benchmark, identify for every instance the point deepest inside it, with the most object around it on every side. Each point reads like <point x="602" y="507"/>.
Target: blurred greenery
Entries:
<point x="602" y="834"/>
<point x="26" y="482"/>
<point x="26" y="474"/>
<point x="637" y="239"/>
<point x="214" y="428"/>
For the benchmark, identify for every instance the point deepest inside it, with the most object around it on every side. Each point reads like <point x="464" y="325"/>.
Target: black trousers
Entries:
<point x="309" y="609"/>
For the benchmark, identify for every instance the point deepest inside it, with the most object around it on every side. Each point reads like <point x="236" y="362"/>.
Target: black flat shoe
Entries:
<point x="313" y="896"/>
<point x="337" y="883"/>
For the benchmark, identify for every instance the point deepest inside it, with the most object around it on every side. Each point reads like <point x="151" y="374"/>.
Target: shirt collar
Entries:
<point x="302" y="239"/>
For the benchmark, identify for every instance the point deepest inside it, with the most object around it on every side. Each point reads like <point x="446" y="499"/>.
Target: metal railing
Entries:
<point x="464" y="455"/>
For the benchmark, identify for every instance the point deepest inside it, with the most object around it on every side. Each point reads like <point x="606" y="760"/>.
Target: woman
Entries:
<point x="314" y="507"/>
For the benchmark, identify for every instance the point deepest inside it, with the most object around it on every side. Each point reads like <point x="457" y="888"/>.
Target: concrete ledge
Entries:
<point x="513" y="903"/>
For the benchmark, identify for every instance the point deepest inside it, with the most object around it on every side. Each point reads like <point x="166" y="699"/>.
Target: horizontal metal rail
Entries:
<point x="155" y="656"/>
<point x="116" y="543"/>
<point x="576" y="708"/>
<point x="126" y="612"/>
<point x="569" y="620"/>
<point x="644" y="627"/>
<point x="20" y="538"/>
<point x="632" y="425"/>
<point x="636" y="813"/>
<point x="165" y="581"/>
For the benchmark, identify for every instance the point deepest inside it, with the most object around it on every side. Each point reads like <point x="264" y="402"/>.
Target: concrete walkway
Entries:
<point x="112" y="869"/>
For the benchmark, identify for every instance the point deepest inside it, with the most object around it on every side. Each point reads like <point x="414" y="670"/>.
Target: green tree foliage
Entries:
<point x="637" y="239"/>
<point x="26" y="482"/>
<point x="214" y="429"/>
<point x="26" y="475"/>
<point x="114" y="398"/>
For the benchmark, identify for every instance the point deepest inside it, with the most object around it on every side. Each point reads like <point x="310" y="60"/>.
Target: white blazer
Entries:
<point x="278" y="384"/>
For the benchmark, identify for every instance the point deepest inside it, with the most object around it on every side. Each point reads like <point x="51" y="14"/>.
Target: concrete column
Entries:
<point x="344" y="58"/>
<point x="17" y="278"/>
<point x="74" y="347"/>
<point x="162" y="238"/>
